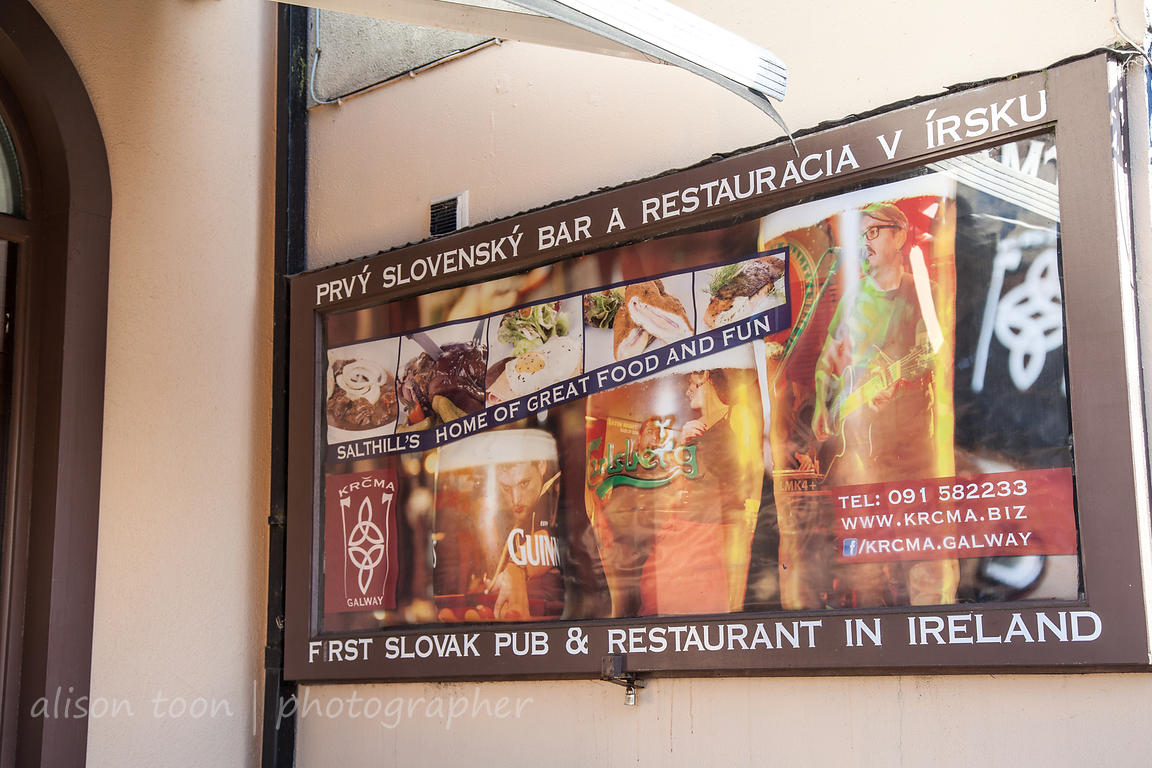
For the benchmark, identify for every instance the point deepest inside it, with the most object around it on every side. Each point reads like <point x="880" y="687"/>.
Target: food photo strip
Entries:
<point x="459" y="378"/>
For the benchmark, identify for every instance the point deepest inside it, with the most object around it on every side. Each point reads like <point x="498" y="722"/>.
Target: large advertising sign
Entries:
<point x="819" y="423"/>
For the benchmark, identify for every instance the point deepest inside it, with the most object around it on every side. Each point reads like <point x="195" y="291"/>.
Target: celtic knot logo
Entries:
<point x="1029" y="321"/>
<point x="366" y="546"/>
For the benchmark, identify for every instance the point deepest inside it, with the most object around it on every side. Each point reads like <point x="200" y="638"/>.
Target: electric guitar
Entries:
<point x="877" y="378"/>
<point x="852" y="397"/>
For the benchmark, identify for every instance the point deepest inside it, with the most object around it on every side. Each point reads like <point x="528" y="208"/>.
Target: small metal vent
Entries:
<point x="448" y="214"/>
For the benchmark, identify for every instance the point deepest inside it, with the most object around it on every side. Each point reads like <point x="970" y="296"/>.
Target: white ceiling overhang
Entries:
<point x="650" y="30"/>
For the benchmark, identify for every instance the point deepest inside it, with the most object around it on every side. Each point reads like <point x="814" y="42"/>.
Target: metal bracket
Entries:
<point x="612" y="671"/>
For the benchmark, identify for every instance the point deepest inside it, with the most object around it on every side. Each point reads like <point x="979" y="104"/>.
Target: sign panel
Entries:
<point x="360" y="542"/>
<point x="828" y="431"/>
<point x="698" y="442"/>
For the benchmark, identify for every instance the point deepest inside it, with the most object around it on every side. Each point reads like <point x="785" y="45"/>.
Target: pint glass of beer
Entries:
<point x="497" y="552"/>
<point x="674" y="473"/>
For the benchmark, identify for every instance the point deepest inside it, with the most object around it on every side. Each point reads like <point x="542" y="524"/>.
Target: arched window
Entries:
<point x="55" y="207"/>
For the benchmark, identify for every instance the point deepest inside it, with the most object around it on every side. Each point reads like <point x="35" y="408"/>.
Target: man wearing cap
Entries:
<point x="874" y="398"/>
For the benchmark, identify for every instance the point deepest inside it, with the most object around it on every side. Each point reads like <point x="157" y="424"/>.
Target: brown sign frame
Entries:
<point x="1108" y="413"/>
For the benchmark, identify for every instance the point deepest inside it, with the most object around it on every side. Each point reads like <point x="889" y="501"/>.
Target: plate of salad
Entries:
<point x="533" y="347"/>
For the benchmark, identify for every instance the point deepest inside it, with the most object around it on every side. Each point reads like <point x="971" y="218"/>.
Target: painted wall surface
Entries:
<point x="184" y="92"/>
<point x="520" y="126"/>
<point x="999" y="720"/>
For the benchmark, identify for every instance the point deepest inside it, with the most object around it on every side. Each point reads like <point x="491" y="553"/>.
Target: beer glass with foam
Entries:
<point x="497" y="552"/>
<point x="674" y="473"/>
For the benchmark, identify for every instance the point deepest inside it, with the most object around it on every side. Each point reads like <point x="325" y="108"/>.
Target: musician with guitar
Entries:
<point x="874" y="395"/>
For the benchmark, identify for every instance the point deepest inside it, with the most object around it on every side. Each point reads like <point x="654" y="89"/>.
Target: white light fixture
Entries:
<point x="669" y="33"/>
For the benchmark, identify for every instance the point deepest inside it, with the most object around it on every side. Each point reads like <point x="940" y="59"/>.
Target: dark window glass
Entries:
<point x="11" y="198"/>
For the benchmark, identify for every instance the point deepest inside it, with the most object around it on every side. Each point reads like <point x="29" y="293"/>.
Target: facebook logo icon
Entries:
<point x="850" y="547"/>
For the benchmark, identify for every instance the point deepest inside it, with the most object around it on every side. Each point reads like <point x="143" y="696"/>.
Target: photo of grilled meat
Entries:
<point x="742" y="290"/>
<point x="458" y="375"/>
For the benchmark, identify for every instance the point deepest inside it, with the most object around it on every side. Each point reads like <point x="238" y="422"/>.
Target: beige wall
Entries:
<point x="520" y="126"/>
<point x="1001" y="720"/>
<point x="184" y="95"/>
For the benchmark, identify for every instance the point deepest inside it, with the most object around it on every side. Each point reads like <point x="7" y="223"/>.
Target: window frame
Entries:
<point x="48" y="556"/>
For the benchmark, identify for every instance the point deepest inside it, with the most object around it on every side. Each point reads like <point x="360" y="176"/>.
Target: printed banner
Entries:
<point x="855" y="402"/>
<point x="460" y="379"/>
